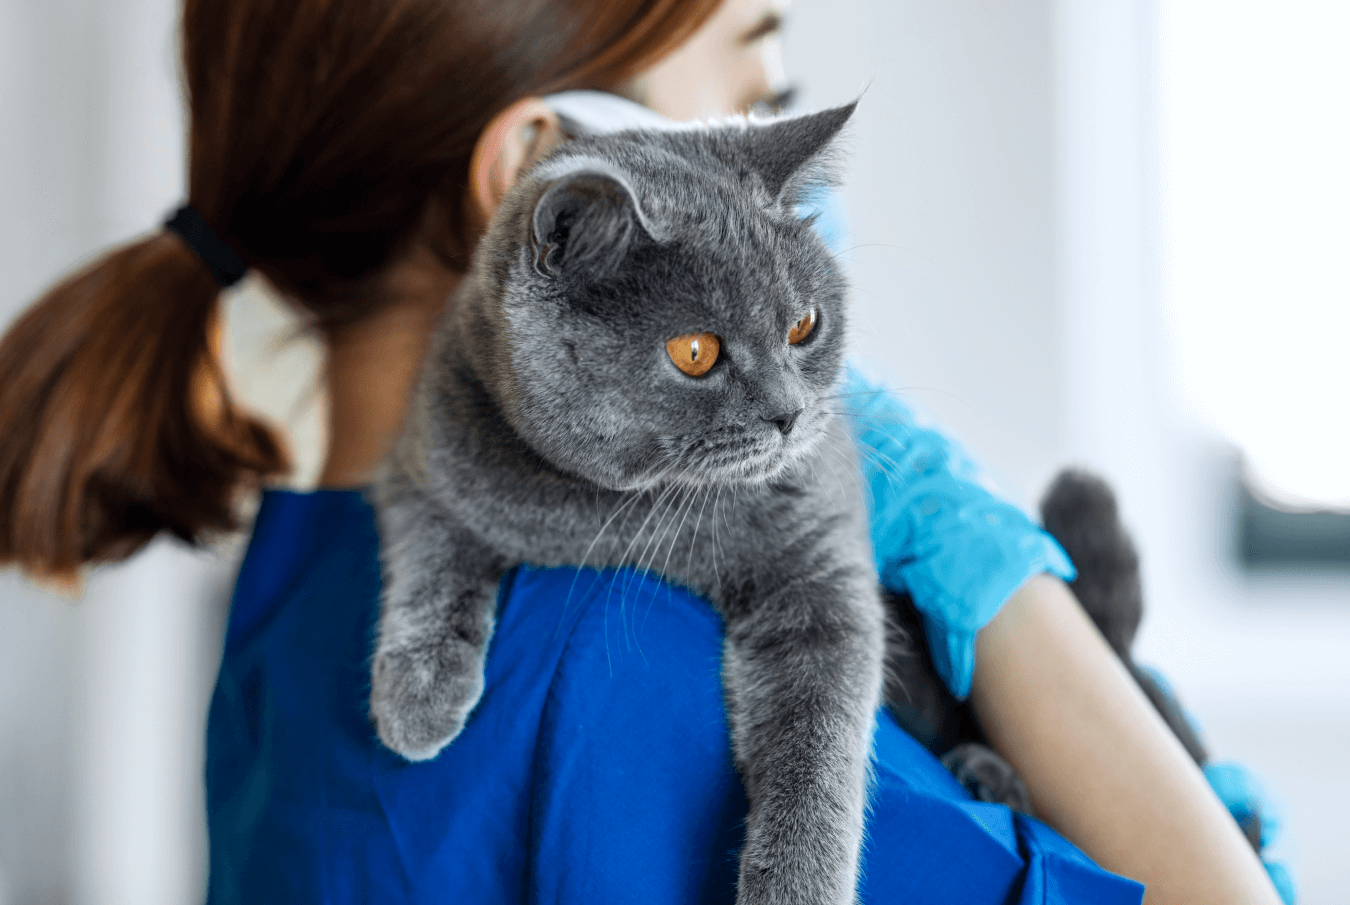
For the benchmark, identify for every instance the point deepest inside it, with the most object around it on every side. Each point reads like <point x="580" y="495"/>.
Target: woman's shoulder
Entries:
<point x="602" y="694"/>
<point x="313" y="544"/>
<point x="596" y="766"/>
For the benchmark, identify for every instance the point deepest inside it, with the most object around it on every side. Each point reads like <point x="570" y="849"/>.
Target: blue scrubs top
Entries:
<point x="596" y="768"/>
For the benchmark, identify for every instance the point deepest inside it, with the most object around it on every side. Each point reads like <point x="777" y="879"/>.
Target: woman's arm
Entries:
<point x="938" y="532"/>
<point x="1101" y="766"/>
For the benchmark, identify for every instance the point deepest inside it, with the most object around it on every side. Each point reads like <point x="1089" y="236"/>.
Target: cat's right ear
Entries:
<point x="792" y="154"/>
<point x="584" y="224"/>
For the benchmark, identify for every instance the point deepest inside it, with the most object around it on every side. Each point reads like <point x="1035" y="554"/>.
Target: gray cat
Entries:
<point x="640" y="369"/>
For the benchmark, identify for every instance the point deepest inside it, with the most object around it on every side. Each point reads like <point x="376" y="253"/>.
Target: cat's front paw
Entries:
<point x="420" y="698"/>
<point x="796" y="875"/>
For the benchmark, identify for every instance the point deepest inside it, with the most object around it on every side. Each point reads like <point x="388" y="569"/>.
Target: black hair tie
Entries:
<point x="226" y="266"/>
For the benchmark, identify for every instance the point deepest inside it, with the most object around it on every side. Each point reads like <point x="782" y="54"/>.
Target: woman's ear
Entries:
<point x="514" y="139"/>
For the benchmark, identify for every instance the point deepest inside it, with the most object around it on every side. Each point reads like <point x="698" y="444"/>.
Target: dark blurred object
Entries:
<point x="1272" y="535"/>
<point x="1080" y="511"/>
<point x="986" y="776"/>
<point x="923" y="707"/>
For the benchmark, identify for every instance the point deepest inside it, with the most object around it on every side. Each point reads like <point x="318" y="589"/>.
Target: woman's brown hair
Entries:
<point x="325" y="137"/>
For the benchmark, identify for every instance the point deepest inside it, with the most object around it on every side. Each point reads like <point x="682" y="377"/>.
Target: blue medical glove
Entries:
<point x="1244" y="797"/>
<point x="1282" y="880"/>
<point x="1240" y="792"/>
<point x="937" y="530"/>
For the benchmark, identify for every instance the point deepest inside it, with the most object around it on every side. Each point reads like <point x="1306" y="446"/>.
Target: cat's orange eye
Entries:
<point x="802" y="328"/>
<point x="694" y="353"/>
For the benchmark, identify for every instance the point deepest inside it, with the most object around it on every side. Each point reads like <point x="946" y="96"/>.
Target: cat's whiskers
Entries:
<point x="850" y="466"/>
<point x="883" y="462"/>
<point x="839" y="457"/>
<point x="820" y="432"/>
<point x="815" y="430"/>
<point x="693" y="539"/>
<point x="833" y="453"/>
<point x="735" y="501"/>
<point x="686" y="505"/>
<point x="716" y="545"/>
<point x="675" y="538"/>
<point x="624" y="506"/>
<point x="676" y="523"/>
<point x="868" y="448"/>
<point x="622" y="559"/>
<point x="900" y="390"/>
<point x="877" y="418"/>
<point x="908" y="422"/>
<point x="657" y="532"/>
<point x="870" y="457"/>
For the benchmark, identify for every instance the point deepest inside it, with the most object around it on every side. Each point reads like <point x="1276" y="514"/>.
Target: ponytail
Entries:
<point x="115" y="420"/>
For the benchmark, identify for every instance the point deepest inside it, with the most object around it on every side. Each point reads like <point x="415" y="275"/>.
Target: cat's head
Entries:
<point x="653" y="307"/>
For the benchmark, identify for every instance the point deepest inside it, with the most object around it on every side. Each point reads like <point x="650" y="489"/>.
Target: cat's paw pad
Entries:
<point x="420" y="698"/>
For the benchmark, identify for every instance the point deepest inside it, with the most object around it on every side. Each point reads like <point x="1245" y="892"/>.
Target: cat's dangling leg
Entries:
<point x="802" y="674"/>
<point x="1079" y="510"/>
<point x="923" y="706"/>
<point x="436" y="618"/>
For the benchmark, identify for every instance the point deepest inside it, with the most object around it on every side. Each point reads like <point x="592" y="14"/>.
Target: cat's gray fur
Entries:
<point x="550" y="427"/>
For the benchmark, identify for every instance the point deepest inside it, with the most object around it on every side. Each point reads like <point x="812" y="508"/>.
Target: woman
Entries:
<point x="351" y="154"/>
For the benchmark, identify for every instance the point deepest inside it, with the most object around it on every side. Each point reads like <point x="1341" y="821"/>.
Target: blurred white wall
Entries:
<point x="1004" y="208"/>
<point x="101" y="702"/>
<point x="1255" y="142"/>
<point x="950" y="193"/>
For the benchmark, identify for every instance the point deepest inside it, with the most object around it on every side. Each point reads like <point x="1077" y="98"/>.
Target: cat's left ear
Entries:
<point x="793" y="155"/>
<point x="584" y="224"/>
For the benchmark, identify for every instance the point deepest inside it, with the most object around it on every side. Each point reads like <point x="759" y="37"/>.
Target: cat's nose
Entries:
<point x="784" y="422"/>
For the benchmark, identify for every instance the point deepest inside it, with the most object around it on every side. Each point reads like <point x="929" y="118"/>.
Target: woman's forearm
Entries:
<point x="1101" y="766"/>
